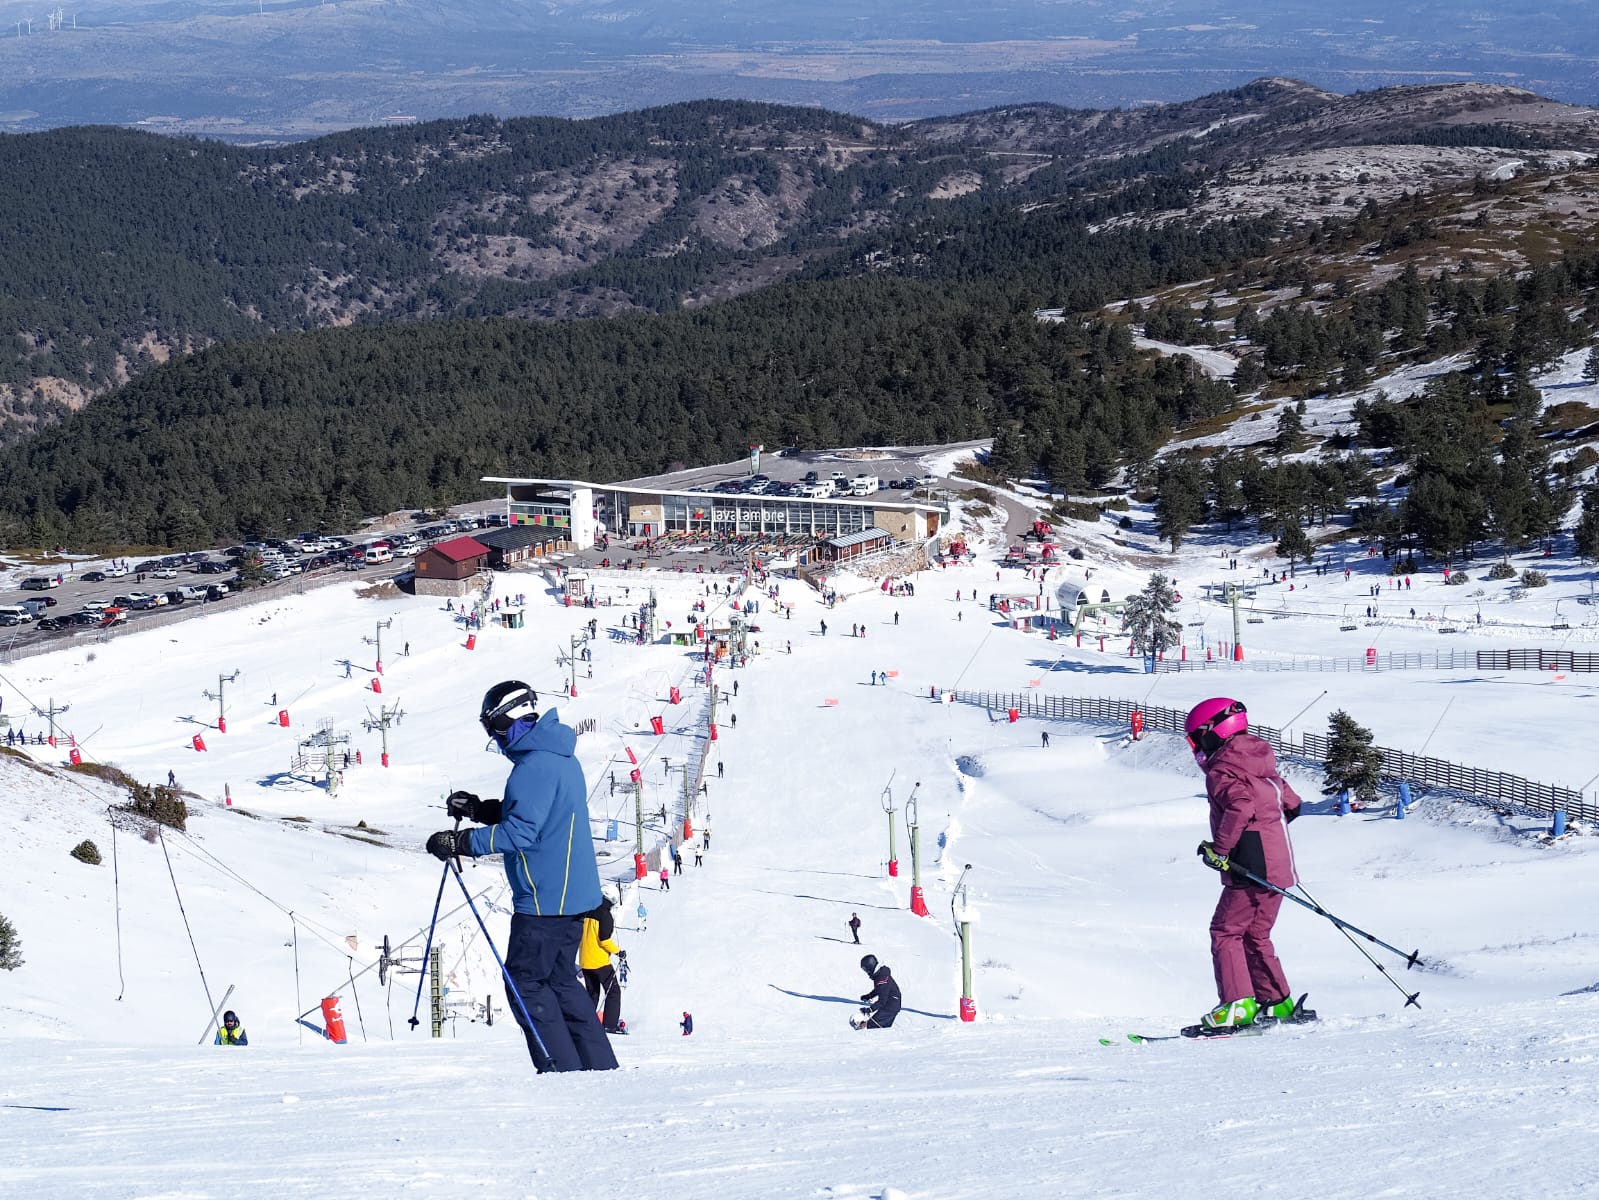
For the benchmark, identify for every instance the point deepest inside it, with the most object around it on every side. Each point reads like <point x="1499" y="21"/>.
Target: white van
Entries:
<point x="816" y="491"/>
<point x="14" y="614"/>
<point x="378" y="554"/>
<point x="863" y="485"/>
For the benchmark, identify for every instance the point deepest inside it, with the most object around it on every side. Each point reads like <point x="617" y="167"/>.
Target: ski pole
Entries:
<point x="428" y="948"/>
<point x="1410" y="997"/>
<point x="1413" y="959"/>
<point x="547" y="1063"/>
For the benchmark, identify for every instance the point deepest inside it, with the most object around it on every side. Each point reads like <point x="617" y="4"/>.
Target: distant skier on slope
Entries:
<point x="1250" y="808"/>
<point x="883" y="1000"/>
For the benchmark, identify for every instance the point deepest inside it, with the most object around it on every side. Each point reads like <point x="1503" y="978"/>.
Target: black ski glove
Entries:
<point x="868" y="996"/>
<point x="446" y="844"/>
<point x="467" y="805"/>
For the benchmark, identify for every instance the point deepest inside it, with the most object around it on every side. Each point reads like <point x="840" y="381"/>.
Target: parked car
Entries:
<point x="82" y="618"/>
<point x="166" y="573"/>
<point x="94" y="577"/>
<point x="210" y="567"/>
<point x="217" y="591"/>
<point x="51" y="624"/>
<point x="39" y="583"/>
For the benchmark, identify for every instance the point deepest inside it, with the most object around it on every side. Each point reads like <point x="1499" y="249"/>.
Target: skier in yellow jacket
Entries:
<point x="594" y="958"/>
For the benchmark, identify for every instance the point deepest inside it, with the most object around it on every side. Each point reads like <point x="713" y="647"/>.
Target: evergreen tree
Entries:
<point x="1353" y="763"/>
<point x="1007" y="456"/>
<point x="1179" y="500"/>
<point x="1293" y="543"/>
<point x="1590" y="368"/>
<point x="10" y="945"/>
<point x="1290" y="437"/>
<point x="1147" y="618"/>
<point x="1249" y="376"/>
<point x="1587" y="530"/>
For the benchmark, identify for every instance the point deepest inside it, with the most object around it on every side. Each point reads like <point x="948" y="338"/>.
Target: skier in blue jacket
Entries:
<point x="542" y="829"/>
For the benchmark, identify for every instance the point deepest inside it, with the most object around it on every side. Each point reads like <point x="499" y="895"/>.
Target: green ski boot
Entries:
<point x="1228" y="1018"/>
<point x="1290" y="1011"/>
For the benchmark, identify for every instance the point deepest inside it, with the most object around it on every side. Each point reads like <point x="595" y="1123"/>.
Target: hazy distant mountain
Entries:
<point x="292" y="68"/>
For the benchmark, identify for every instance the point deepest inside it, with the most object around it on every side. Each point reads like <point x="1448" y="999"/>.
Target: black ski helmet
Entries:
<point x="506" y="703"/>
<point x="869" y="964"/>
<point x="230" y="1018"/>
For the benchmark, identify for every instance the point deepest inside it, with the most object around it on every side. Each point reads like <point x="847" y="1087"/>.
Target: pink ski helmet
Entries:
<point x="1211" y="722"/>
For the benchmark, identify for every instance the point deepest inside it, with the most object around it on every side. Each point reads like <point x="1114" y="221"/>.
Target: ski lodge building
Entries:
<point x="581" y="511"/>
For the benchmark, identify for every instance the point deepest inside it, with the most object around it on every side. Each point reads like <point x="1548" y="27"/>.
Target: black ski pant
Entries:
<point x="600" y="981"/>
<point x="541" y="961"/>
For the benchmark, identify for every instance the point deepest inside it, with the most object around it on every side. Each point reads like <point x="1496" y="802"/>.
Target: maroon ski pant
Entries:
<point x="1241" y="949"/>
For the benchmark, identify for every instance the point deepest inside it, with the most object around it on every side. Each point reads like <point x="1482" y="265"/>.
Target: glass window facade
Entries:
<point x="721" y="514"/>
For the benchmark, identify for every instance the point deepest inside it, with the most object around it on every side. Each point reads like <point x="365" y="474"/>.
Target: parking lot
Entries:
<point x="785" y="473"/>
<point x="126" y="592"/>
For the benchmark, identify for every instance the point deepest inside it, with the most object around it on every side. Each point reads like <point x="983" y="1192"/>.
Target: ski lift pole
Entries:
<point x="427" y="948"/>
<point x="888" y="807"/>
<point x="543" y="1061"/>
<point x="961" y="914"/>
<point x="914" y="829"/>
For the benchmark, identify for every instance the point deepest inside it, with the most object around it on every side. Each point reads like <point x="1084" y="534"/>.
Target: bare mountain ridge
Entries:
<point x="549" y="219"/>
<point x="1267" y="117"/>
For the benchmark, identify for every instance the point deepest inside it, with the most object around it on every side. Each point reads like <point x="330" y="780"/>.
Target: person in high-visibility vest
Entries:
<point x="231" y="1033"/>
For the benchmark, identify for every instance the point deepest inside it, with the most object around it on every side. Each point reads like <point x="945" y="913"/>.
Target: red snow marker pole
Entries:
<point x="918" y="902"/>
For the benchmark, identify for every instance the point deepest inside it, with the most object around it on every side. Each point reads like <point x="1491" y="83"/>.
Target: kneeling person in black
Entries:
<point x="883" y="1000"/>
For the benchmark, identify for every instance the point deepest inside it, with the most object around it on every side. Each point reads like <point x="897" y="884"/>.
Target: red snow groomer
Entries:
<point x="1038" y="544"/>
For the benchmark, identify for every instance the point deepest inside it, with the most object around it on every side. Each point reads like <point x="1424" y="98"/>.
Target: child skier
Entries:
<point x="1250" y="808"/>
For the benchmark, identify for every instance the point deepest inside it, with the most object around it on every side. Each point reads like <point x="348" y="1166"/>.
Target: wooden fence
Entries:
<point x="1397" y="765"/>
<point x="1425" y="660"/>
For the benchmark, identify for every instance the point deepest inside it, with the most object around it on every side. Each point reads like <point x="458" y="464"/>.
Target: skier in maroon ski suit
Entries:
<point x="1250" y="808"/>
